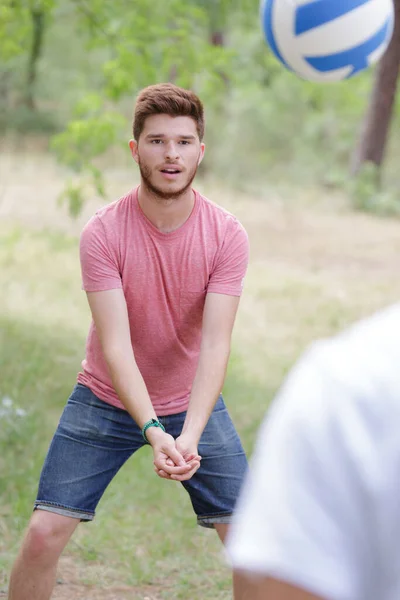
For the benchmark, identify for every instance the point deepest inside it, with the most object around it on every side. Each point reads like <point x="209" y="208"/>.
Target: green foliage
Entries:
<point x="22" y="28"/>
<point x="150" y="42"/>
<point x="87" y="137"/>
<point x="283" y="125"/>
<point x="16" y="25"/>
<point x="14" y="28"/>
<point x="73" y="196"/>
<point x="98" y="54"/>
<point x="367" y="194"/>
<point x="76" y="192"/>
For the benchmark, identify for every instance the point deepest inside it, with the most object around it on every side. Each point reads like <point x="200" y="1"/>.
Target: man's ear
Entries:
<point x="133" y="145"/>
<point x="201" y="155"/>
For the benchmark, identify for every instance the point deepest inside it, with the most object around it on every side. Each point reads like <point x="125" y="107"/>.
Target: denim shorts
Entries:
<point x="94" y="439"/>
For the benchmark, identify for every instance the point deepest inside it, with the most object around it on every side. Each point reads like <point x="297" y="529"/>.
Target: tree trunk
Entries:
<point x="372" y="143"/>
<point x="38" y="24"/>
<point x="217" y="38"/>
<point x="5" y="87"/>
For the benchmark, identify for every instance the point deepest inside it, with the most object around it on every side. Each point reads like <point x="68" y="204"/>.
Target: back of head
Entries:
<point x="168" y="99"/>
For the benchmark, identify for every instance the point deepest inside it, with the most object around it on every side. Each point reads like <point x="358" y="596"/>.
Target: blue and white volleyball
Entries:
<point x="327" y="40"/>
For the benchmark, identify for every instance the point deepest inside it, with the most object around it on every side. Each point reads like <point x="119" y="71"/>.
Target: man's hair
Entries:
<point x="167" y="99"/>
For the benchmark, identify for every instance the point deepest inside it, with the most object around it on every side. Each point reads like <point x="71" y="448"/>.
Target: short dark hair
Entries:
<point x="168" y="99"/>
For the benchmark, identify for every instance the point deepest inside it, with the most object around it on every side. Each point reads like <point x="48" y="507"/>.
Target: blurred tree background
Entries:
<point x="69" y="69"/>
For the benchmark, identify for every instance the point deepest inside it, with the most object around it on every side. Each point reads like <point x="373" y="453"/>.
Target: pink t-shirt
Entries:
<point x="165" y="278"/>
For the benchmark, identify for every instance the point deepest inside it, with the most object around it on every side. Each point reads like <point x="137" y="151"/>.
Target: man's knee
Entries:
<point x="47" y="535"/>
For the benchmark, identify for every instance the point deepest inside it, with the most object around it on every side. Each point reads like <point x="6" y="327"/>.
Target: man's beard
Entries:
<point x="145" y="173"/>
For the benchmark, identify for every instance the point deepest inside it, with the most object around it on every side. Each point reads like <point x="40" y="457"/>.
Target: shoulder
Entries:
<point x="218" y="216"/>
<point x="224" y="228"/>
<point x="116" y="211"/>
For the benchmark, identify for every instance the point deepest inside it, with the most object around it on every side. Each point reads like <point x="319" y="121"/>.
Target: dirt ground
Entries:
<point x="69" y="586"/>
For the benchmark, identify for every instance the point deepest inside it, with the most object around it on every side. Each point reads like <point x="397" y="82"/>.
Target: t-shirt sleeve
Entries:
<point x="99" y="265"/>
<point x="232" y="261"/>
<point x="302" y="516"/>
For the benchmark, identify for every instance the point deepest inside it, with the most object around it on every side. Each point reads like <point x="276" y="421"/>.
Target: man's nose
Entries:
<point x="171" y="151"/>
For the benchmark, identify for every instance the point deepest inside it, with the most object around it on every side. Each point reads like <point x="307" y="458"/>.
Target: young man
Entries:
<point x="319" y="516"/>
<point x="163" y="270"/>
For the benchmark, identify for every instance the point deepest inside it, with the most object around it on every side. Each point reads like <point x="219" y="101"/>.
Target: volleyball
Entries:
<point x="327" y="40"/>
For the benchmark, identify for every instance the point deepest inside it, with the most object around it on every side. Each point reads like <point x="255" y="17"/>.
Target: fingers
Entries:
<point x="167" y="458"/>
<point x="161" y="465"/>
<point x="162" y="473"/>
<point x="192" y="461"/>
<point x="188" y="475"/>
<point x="193" y="466"/>
<point x="178" y="477"/>
<point x="164" y="462"/>
<point x="191" y="457"/>
<point x="174" y="462"/>
<point x="173" y="454"/>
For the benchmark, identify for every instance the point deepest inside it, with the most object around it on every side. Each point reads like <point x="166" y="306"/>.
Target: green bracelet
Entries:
<point x="151" y="423"/>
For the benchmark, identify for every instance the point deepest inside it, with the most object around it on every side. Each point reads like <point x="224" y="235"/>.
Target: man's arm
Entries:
<point x="253" y="587"/>
<point x="110" y="317"/>
<point x="218" y="320"/>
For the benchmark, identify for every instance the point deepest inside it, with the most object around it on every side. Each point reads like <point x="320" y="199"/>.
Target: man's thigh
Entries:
<point x="92" y="442"/>
<point x="215" y="487"/>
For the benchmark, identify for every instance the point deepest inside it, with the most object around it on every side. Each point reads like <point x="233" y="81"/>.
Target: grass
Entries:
<point x="312" y="272"/>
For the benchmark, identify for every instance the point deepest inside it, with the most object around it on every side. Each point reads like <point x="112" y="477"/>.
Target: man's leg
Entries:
<point x="215" y="487"/>
<point x="34" y="572"/>
<point x="92" y="442"/>
<point x="222" y="530"/>
<point x="242" y="589"/>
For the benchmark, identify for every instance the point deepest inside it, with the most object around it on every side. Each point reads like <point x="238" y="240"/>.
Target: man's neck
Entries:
<point x="167" y="214"/>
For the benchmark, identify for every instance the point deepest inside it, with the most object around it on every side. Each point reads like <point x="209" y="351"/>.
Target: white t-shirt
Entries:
<point x="321" y="506"/>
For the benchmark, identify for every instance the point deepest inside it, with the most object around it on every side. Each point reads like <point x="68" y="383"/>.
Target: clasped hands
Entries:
<point x="174" y="459"/>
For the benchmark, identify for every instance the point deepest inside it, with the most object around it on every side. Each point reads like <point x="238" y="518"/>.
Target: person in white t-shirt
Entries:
<point x="319" y="513"/>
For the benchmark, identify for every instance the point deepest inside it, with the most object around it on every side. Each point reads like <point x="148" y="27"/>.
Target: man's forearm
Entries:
<point x="130" y="386"/>
<point x="207" y="386"/>
<point x="131" y="389"/>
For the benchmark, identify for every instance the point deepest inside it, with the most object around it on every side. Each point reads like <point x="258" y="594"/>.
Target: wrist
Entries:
<point x="191" y="434"/>
<point x="153" y="423"/>
<point x="153" y="434"/>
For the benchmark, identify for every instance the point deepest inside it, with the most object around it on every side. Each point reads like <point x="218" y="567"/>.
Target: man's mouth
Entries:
<point x="170" y="171"/>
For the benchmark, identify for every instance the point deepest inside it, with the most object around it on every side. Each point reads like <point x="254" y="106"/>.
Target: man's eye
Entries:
<point x="156" y="141"/>
<point x="184" y="142"/>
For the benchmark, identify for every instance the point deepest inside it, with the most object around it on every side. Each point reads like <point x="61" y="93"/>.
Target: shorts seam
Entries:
<point x="215" y="515"/>
<point x="210" y="521"/>
<point x="64" y="506"/>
